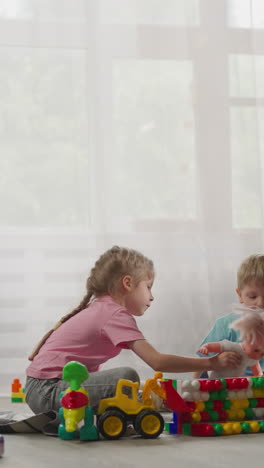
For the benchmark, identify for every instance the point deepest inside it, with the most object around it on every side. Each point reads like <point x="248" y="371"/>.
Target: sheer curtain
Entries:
<point x="129" y="122"/>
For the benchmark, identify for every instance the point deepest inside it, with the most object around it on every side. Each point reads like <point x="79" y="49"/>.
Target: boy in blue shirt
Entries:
<point x="250" y="291"/>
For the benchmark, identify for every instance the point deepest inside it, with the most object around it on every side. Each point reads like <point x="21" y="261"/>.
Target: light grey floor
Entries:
<point x="40" y="451"/>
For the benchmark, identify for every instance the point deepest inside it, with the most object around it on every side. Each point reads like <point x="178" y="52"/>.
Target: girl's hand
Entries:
<point x="225" y="359"/>
<point x="203" y="350"/>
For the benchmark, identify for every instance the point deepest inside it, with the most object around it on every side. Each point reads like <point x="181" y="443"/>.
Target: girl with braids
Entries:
<point x="118" y="289"/>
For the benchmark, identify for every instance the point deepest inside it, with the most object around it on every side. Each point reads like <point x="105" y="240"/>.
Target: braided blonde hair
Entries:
<point x="105" y="278"/>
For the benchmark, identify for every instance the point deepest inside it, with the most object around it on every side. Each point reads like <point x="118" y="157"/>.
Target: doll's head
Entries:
<point x="251" y="329"/>
<point x="254" y="350"/>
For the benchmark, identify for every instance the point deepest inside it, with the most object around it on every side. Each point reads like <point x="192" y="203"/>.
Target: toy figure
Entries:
<point x="75" y="403"/>
<point x="251" y="329"/>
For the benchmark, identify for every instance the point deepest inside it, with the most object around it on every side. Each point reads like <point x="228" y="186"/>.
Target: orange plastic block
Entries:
<point x="16" y="386"/>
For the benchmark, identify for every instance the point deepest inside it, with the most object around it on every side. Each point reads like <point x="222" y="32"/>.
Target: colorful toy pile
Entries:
<point x="17" y="393"/>
<point x="219" y="406"/>
<point x="199" y="407"/>
<point x="116" y="413"/>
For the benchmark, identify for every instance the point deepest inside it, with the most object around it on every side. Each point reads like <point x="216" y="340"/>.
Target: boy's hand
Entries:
<point x="203" y="350"/>
<point x="225" y="359"/>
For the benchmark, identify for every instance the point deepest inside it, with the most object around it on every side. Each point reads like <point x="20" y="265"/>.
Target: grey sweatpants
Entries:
<point x="44" y="395"/>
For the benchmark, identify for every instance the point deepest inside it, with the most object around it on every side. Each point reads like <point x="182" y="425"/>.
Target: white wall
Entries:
<point x="137" y="123"/>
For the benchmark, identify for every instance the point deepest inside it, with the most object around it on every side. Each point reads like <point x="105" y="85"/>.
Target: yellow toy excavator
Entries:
<point x="115" y="413"/>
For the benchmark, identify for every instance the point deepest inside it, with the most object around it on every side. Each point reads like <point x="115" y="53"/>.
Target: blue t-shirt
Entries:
<point x="221" y="331"/>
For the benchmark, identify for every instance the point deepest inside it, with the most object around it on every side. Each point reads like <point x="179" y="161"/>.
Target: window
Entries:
<point x="247" y="140"/>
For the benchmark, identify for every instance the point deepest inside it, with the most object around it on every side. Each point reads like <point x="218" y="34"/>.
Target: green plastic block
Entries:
<point x="222" y="395"/>
<point x="249" y="413"/>
<point x="218" y="429"/>
<point x="174" y="384"/>
<point x="260" y="382"/>
<point x="214" y="395"/>
<point x="208" y="405"/>
<point x="252" y="402"/>
<point x="186" y="429"/>
<point x="224" y="384"/>
<point x="167" y="427"/>
<point x="254" y="382"/>
<point x="214" y="415"/>
<point x="261" y="426"/>
<point x="245" y="427"/>
<point x="227" y="404"/>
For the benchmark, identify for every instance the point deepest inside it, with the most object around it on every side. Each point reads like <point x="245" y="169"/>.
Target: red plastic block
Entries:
<point x="218" y="405"/>
<point x="260" y="402"/>
<point x="202" y="430"/>
<point x="237" y="384"/>
<point x="173" y="400"/>
<point x="210" y="385"/>
<point x="191" y="405"/>
<point x="205" y="416"/>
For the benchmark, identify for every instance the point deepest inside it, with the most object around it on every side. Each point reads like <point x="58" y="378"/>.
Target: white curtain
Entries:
<point x="130" y="122"/>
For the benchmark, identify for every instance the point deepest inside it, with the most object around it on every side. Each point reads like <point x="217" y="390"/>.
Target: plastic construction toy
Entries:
<point x="218" y="406"/>
<point x="75" y="405"/>
<point x="115" y="413"/>
<point x="17" y="393"/>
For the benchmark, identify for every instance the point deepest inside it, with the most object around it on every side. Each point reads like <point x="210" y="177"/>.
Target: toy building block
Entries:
<point x="17" y="392"/>
<point x="75" y="405"/>
<point x="172" y="427"/>
<point x="173" y="400"/>
<point x="218" y="407"/>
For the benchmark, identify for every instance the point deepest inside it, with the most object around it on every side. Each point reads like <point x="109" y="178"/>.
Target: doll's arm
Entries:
<point x="210" y="348"/>
<point x="256" y="370"/>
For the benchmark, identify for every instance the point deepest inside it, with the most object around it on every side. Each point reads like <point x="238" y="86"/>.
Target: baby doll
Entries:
<point x="251" y="329"/>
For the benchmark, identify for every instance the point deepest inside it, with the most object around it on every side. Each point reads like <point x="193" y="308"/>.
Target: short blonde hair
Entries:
<point x="251" y="269"/>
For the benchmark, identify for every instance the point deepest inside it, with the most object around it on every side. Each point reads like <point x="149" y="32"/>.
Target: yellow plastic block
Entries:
<point x="200" y="406"/>
<point x="18" y="396"/>
<point x="258" y="392"/>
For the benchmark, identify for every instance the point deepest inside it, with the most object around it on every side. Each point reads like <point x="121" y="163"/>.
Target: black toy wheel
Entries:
<point x="149" y="424"/>
<point x="112" y="424"/>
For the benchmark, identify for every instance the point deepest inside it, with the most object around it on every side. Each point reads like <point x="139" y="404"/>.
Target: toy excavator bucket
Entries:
<point x="152" y="385"/>
<point x="173" y="400"/>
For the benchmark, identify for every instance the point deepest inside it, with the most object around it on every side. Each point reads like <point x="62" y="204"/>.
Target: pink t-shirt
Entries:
<point x="91" y="337"/>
